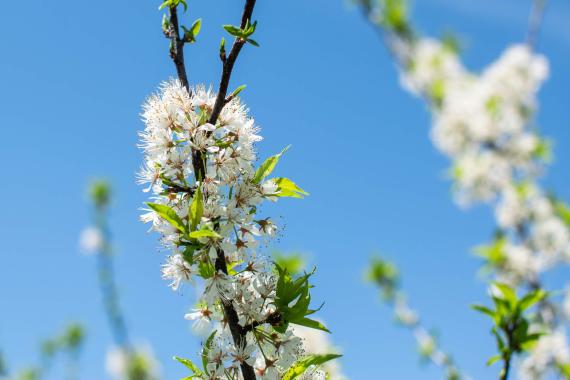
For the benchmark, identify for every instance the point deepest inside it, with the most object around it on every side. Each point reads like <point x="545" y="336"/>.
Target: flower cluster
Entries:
<point x="206" y="194"/>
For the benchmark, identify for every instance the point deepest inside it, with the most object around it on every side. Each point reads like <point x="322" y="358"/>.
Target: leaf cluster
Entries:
<point x="292" y="300"/>
<point x="511" y="324"/>
<point x="384" y="274"/>
<point x="243" y="33"/>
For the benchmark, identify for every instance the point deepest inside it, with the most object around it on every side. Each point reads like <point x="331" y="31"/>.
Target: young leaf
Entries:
<point x="206" y="269"/>
<point x="234" y="31"/>
<point x="484" y="310"/>
<point x="206" y="350"/>
<point x="169" y="215"/>
<point x="196" y="26"/>
<point x="506" y="293"/>
<point x="189" y="364"/>
<point x="267" y="166"/>
<point x="493" y="359"/>
<point x="531" y="298"/>
<point x="204" y="233"/>
<point x="238" y="90"/>
<point x="253" y="42"/>
<point x="288" y="188"/>
<point x="196" y="208"/>
<point x="298" y="368"/>
<point x="307" y="322"/>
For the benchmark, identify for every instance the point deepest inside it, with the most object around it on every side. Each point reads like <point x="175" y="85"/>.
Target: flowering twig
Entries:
<point x="199" y="162"/>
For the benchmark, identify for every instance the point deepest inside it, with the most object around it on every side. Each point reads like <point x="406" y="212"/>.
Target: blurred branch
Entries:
<point x="384" y="275"/>
<point x="101" y="196"/>
<point x="535" y="22"/>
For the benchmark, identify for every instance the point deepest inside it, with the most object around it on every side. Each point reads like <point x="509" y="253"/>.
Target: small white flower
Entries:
<point x="176" y="269"/>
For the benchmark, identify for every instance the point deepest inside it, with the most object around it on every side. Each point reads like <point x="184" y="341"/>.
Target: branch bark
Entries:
<point x="177" y="54"/>
<point x="228" y="64"/>
<point x="177" y="48"/>
<point x="238" y="332"/>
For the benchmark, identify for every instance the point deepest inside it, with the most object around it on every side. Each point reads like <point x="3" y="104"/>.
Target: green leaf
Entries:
<point x="196" y="209"/>
<point x="267" y="166"/>
<point x="563" y="211"/>
<point x="206" y="350"/>
<point x="493" y="359"/>
<point x="506" y="293"/>
<point x="234" y="31"/>
<point x="531" y="298"/>
<point x="484" y="310"/>
<point x="169" y="215"/>
<point x="190" y="365"/>
<point x="530" y="341"/>
<point x="196" y="27"/>
<point x="288" y="188"/>
<point x="204" y="233"/>
<point x="493" y="253"/>
<point x="500" y="341"/>
<point x="223" y="47"/>
<point x="206" y="269"/>
<point x="302" y="365"/>
<point x="565" y="370"/>
<point x="165" y="4"/>
<point x="190" y="34"/>
<point x="238" y="90"/>
<point x="307" y="322"/>
<point x="253" y="42"/>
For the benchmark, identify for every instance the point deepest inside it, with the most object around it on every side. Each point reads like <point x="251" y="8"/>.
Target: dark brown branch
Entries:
<point x="273" y="319"/>
<point x="177" y="54"/>
<point x="228" y="64"/>
<point x="238" y="332"/>
<point x="177" y="48"/>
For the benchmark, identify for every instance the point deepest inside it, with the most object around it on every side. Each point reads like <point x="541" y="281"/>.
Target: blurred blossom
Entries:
<point x="319" y="342"/>
<point x="91" y="240"/>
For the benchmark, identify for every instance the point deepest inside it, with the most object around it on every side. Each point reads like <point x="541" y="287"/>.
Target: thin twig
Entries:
<point x="535" y="22"/>
<point x="177" y="47"/>
<point x="228" y="64"/>
<point x="177" y="55"/>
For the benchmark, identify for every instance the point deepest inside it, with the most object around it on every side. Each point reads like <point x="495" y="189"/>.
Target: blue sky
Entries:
<point x="73" y="77"/>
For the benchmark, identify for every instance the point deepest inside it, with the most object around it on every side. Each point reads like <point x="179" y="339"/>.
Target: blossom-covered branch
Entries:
<point x="484" y="122"/>
<point x="198" y="140"/>
<point x="384" y="275"/>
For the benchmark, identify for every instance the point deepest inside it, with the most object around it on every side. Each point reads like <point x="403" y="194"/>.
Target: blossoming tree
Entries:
<point x="199" y="166"/>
